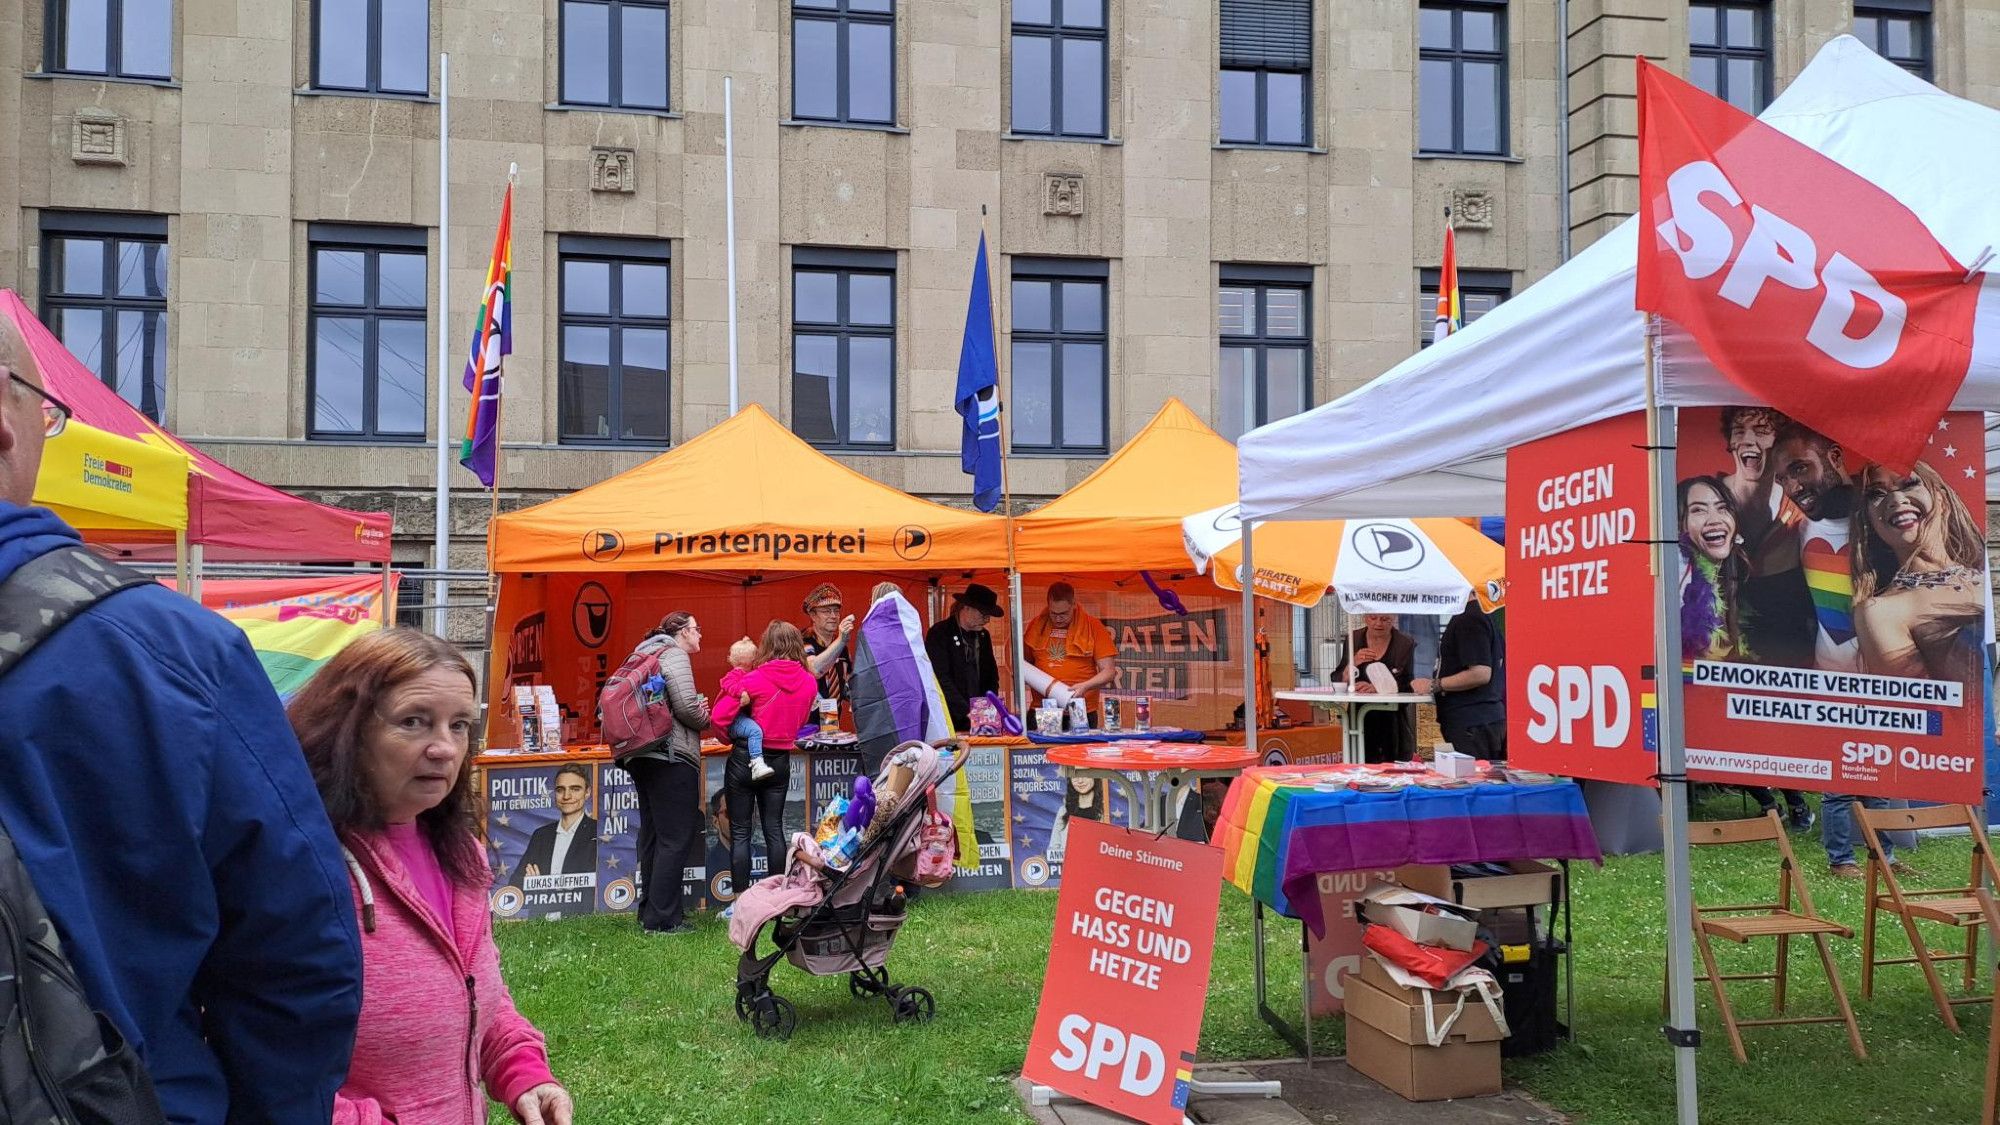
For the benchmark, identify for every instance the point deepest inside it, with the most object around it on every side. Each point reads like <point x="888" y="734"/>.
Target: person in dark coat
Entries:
<point x="1386" y="736"/>
<point x="961" y="652"/>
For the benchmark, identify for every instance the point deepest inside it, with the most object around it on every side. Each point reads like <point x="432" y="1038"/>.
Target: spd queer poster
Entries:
<point x="1833" y="609"/>
<point x="1580" y="604"/>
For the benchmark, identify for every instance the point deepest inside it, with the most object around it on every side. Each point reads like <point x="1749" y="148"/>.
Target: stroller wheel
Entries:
<point x="746" y="998"/>
<point x="773" y="1018"/>
<point x="862" y="986"/>
<point x="915" y="1004"/>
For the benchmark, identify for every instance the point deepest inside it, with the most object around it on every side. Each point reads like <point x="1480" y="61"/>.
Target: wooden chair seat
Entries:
<point x="1956" y="906"/>
<point x="1742" y="928"/>
<point x="1955" y="911"/>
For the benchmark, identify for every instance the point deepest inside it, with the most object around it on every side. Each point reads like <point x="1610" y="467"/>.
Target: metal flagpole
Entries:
<point x="729" y="225"/>
<point x="442" y="545"/>
<point x="1247" y="577"/>
<point x="1681" y="1030"/>
<point x="1016" y="627"/>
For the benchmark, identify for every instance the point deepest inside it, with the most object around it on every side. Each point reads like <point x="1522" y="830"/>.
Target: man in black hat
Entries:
<point x="961" y="652"/>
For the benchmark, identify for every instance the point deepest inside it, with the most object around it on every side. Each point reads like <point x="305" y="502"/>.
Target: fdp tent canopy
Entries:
<point x="746" y="497"/>
<point x="231" y="516"/>
<point x="102" y="482"/>
<point x="1430" y="436"/>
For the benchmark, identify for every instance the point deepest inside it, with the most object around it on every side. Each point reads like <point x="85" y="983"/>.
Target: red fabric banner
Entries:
<point x="1806" y="285"/>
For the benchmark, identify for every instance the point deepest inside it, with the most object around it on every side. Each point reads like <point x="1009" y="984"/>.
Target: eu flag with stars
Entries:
<point x="978" y="401"/>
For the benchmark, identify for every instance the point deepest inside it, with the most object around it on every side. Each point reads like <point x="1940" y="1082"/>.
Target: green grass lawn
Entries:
<point x="644" y="1030"/>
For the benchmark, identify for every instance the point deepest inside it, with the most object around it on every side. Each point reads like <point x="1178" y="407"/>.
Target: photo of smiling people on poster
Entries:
<point x="1919" y="577"/>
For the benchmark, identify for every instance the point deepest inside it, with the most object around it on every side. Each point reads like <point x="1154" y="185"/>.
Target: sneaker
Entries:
<point x="727" y="912"/>
<point x="670" y="931"/>
<point x="1847" y="871"/>
<point x="1802" y="818"/>
<point x="760" y="769"/>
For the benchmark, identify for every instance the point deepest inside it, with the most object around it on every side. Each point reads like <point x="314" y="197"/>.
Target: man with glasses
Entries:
<point x="161" y="807"/>
<point x="1073" y="647"/>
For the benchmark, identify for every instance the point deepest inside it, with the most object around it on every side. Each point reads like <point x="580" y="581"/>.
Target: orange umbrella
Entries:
<point x="1372" y="566"/>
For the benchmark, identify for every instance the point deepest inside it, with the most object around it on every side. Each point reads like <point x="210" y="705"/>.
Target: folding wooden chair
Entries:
<point x="1948" y="906"/>
<point x="1768" y="919"/>
<point x="1989" y="1109"/>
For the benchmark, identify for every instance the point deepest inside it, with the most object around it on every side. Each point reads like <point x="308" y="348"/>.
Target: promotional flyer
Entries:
<point x="542" y="839"/>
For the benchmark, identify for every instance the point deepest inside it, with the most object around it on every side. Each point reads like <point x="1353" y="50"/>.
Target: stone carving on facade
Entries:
<point x="1472" y="208"/>
<point x="1062" y="193"/>
<point x="611" y="170"/>
<point x="97" y="137"/>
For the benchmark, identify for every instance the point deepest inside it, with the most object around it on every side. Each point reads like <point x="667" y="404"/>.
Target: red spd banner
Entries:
<point x="1128" y="971"/>
<point x="1832" y="608"/>
<point x="1580" y="604"/>
<point x="1806" y="285"/>
<point x="1336" y="956"/>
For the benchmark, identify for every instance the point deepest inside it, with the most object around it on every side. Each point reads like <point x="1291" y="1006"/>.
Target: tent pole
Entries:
<point x="1019" y="655"/>
<point x="729" y="226"/>
<point x="1681" y="1030"/>
<point x="1250" y="699"/>
<point x="194" y="572"/>
<point x="181" y="562"/>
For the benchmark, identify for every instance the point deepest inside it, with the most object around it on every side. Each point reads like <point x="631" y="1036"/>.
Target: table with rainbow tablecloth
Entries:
<point x="1284" y="826"/>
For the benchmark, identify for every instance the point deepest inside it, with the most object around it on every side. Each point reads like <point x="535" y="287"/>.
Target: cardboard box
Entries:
<point x="1475" y="1024"/>
<point x="1460" y="1068"/>
<point x="1433" y="879"/>
<point x="1424" y="919"/>
<point x="1528" y="883"/>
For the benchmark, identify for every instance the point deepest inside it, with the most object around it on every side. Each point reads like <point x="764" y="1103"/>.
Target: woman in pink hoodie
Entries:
<point x="781" y="693"/>
<point x="387" y="727"/>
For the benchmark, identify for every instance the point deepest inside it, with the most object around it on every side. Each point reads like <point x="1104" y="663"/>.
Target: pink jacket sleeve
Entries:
<point x="513" y="1058"/>
<point x="357" y="1111"/>
<point x="726" y="708"/>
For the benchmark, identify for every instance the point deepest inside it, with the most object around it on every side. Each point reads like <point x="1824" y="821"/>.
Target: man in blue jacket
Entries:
<point x="162" y="807"/>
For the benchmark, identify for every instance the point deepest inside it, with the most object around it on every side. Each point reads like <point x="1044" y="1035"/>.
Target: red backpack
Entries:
<point x="632" y="709"/>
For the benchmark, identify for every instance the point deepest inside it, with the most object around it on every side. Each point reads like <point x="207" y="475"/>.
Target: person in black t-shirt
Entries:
<point x="1471" y="687"/>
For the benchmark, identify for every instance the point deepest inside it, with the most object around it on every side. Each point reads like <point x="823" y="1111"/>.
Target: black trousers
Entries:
<point x="669" y="825"/>
<point x="766" y="801"/>
<point x="1485" y="741"/>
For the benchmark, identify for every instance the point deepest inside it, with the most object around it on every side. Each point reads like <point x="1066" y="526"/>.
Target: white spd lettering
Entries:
<point x="1777" y="250"/>
<point x="1564" y="696"/>
<point x="1090" y="1047"/>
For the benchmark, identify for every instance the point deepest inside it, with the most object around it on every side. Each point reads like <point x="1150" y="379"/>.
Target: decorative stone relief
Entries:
<point x="97" y="137"/>
<point x="611" y="170"/>
<point x="1062" y="193"/>
<point x="1472" y="209"/>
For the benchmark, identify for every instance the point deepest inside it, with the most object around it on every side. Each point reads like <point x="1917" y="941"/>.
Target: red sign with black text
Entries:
<point x="1122" y="1001"/>
<point x="1833" y="609"/>
<point x="1580" y="604"/>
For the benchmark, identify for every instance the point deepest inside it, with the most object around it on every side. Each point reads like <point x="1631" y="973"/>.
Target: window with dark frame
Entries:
<point x="1480" y="291"/>
<point x="1729" y="52"/>
<point x="1266" y="78"/>
<point x="1059" y="356"/>
<point x="844" y="348"/>
<point x="614" y="53"/>
<point x="365" y="363"/>
<point x="112" y="38"/>
<point x="1898" y="30"/>
<point x="1059" y="86"/>
<point x="372" y="46"/>
<point x="1462" y="78"/>
<point x="844" y="61"/>
<point x="412" y="597"/>
<point x="104" y="293"/>
<point x="1264" y="324"/>
<point x="613" y="372"/>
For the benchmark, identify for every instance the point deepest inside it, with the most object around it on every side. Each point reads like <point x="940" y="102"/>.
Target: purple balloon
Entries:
<point x="861" y="809"/>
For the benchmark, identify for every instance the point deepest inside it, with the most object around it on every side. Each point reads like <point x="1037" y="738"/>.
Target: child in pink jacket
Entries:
<point x="742" y="660"/>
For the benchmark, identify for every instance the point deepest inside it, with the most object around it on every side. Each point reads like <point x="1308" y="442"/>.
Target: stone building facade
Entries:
<point x="1175" y="192"/>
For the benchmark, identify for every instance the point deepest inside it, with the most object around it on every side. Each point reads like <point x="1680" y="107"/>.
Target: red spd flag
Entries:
<point x="1807" y="286"/>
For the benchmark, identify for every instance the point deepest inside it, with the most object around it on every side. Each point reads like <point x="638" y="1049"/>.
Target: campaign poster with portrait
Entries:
<point x="1037" y="819"/>
<point x="1833" y="610"/>
<point x="542" y="839"/>
<point x="709" y="883"/>
<point x="618" y="840"/>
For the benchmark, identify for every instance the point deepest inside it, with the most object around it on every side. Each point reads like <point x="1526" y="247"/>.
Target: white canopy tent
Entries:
<point x="1429" y="438"/>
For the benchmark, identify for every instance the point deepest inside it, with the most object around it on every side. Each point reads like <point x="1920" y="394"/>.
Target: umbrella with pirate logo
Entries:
<point x="1372" y="566"/>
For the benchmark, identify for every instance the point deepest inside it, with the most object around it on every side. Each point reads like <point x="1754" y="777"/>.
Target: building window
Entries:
<point x="105" y="293"/>
<point x="412" y="596"/>
<point x="114" y="38"/>
<point x="1462" y="78"/>
<point x="1898" y="30"/>
<point x="844" y="348"/>
<point x="365" y="372"/>
<point x="1266" y="72"/>
<point x="613" y="374"/>
<point x="1480" y="291"/>
<point x="1729" y="52"/>
<point x="844" y="61"/>
<point x="1059" y="86"/>
<point x="614" y="53"/>
<point x="372" y="46"/>
<point x="1058" y="359"/>
<point x="1265" y="324"/>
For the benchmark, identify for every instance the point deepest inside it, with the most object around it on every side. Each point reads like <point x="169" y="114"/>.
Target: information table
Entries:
<point x="1080" y="737"/>
<point x="1352" y="707"/>
<point x="1155" y="776"/>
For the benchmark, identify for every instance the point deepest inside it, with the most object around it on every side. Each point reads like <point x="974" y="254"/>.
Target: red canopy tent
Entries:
<point x="232" y="517"/>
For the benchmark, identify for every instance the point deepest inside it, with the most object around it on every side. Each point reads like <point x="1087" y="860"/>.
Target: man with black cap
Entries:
<point x="961" y="652"/>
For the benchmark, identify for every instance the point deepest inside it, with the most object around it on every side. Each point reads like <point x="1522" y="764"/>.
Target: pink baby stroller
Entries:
<point x="828" y="921"/>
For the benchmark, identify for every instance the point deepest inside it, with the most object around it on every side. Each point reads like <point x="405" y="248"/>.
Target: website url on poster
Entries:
<point x="1767" y="765"/>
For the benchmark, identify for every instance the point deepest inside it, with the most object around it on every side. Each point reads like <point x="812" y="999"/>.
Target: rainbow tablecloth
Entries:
<point x="1283" y="826"/>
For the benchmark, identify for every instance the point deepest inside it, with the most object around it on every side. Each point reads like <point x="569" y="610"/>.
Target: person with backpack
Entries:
<point x="654" y="718"/>
<point x="161" y="810"/>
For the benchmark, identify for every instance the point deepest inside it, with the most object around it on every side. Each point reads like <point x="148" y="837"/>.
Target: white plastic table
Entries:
<point x="1354" y="707"/>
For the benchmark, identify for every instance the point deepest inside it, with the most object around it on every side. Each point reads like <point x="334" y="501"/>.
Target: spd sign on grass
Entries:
<point x="1128" y="971"/>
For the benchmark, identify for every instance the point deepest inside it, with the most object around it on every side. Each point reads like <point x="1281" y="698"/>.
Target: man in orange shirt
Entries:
<point x="1072" y="647"/>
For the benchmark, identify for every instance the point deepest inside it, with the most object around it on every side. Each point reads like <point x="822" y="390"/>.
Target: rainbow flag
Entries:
<point x="1450" y="306"/>
<point x="297" y="625"/>
<point x="492" y="342"/>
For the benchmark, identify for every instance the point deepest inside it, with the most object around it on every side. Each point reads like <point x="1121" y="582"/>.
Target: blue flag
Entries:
<point x="978" y="401"/>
